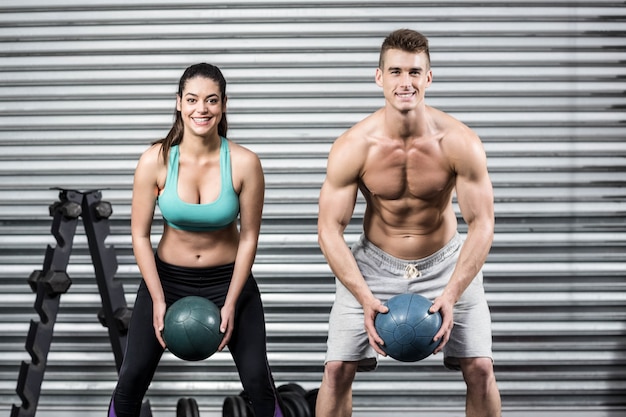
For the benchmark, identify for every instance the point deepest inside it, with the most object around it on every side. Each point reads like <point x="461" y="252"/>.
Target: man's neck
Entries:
<point x="406" y="125"/>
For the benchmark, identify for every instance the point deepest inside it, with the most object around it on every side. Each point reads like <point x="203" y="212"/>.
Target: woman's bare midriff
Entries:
<point x="199" y="249"/>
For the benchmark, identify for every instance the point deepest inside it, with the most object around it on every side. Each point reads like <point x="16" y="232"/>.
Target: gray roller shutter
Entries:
<point x="86" y="86"/>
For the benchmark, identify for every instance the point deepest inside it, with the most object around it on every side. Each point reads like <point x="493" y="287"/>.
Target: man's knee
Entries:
<point x="477" y="372"/>
<point x="339" y="374"/>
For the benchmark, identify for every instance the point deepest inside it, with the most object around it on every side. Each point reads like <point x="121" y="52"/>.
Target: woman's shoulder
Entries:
<point x="245" y="162"/>
<point x="153" y="156"/>
<point x="240" y="152"/>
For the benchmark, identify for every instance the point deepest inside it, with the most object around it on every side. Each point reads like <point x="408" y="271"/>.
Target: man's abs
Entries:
<point x="411" y="238"/>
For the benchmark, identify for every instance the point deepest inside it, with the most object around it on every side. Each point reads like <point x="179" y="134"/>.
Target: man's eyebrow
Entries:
<point x="410" y="69"/>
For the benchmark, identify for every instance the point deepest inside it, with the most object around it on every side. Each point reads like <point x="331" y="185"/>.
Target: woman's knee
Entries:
<point x="125" y="403"/>
<point x="133" y="381"/>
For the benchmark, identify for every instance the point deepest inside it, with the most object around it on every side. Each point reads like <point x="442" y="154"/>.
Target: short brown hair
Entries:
<point x="405" y="40"/>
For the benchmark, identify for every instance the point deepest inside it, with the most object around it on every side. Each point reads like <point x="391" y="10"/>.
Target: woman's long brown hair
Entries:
<point x="175" y="135"/>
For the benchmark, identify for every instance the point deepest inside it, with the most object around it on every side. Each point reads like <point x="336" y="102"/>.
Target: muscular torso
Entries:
<point x="408" y="185"/>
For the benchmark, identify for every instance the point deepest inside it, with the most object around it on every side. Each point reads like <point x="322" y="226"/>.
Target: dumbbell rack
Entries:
<point x="53" y="281"/>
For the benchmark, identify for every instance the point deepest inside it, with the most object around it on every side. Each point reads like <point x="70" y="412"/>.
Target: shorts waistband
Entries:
<point x="420" y="264"/>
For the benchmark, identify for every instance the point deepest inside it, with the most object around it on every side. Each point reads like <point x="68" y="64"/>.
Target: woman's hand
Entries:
<point x="227" y="325"/>
<point x="158" y="315"/>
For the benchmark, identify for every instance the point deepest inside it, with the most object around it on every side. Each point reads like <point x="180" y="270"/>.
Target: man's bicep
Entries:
<point x="336" y="203"/>
<point x="475" y="195"/>
<point x="339" y="191"/>
<point x="473" y="186"/>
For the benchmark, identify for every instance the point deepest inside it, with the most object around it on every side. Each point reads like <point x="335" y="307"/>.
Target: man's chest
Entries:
<point x="417" y="172"/>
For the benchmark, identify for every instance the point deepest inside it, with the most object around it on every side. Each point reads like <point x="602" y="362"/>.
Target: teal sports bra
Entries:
<point x="207" y="217"/>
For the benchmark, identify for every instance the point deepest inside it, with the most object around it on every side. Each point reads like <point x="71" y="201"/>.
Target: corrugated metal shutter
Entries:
<point x="85" y="89"/>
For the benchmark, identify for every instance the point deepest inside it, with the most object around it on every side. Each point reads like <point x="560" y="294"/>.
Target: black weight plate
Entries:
<point x="234" y="406"/>
<point x="311" y="399"/>
<point x="291" y="387"/>
<point x="183" y="408"/>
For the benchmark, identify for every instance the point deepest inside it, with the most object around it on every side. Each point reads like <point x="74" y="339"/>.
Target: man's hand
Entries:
<point x="370" y="310"/>
<point x="445" y="307"/>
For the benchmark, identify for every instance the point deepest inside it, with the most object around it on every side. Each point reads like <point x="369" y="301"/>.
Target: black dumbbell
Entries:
<point x="103" y="209"/>
<point x="121" y="316"/>
<point x="54" y="282"/>
<point x="70" y="209"/>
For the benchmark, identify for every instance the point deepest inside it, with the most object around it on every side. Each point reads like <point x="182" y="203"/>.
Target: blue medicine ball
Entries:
<point x="408" y="327"/>
<point x="191" y="328"/>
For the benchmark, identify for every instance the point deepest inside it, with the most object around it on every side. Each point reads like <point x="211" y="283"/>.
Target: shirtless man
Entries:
<point x="407" y="159"/>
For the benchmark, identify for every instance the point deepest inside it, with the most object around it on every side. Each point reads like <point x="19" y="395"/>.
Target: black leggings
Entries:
<point x="247" y="344"/>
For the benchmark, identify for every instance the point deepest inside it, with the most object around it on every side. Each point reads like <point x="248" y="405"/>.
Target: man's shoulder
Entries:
<point x="444" y="119"/>
<point x="451" y="128"/>
<point x="362" y="130"/>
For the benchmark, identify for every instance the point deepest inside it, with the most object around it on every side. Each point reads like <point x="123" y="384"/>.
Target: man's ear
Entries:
<point x="429" y="77"/>
<point x="379" y="77"/>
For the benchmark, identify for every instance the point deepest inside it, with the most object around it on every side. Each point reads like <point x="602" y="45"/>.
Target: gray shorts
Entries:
<point x="387" y="276"/>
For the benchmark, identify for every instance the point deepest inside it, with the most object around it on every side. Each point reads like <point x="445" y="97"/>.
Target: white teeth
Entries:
<point x="203" y="119"/>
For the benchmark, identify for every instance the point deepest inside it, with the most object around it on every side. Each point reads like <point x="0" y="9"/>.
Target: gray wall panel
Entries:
<point x="86" y="87"/>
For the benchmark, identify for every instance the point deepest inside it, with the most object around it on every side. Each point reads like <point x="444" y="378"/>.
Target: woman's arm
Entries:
<point x="145" y="192"/>
<point x="251" y="197"/>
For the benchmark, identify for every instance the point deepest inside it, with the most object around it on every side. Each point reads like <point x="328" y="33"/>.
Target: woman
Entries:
<point x="202" y="182"/>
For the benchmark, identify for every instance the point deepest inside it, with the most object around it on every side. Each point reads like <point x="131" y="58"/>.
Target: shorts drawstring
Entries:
<point x="411" y="272"/>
